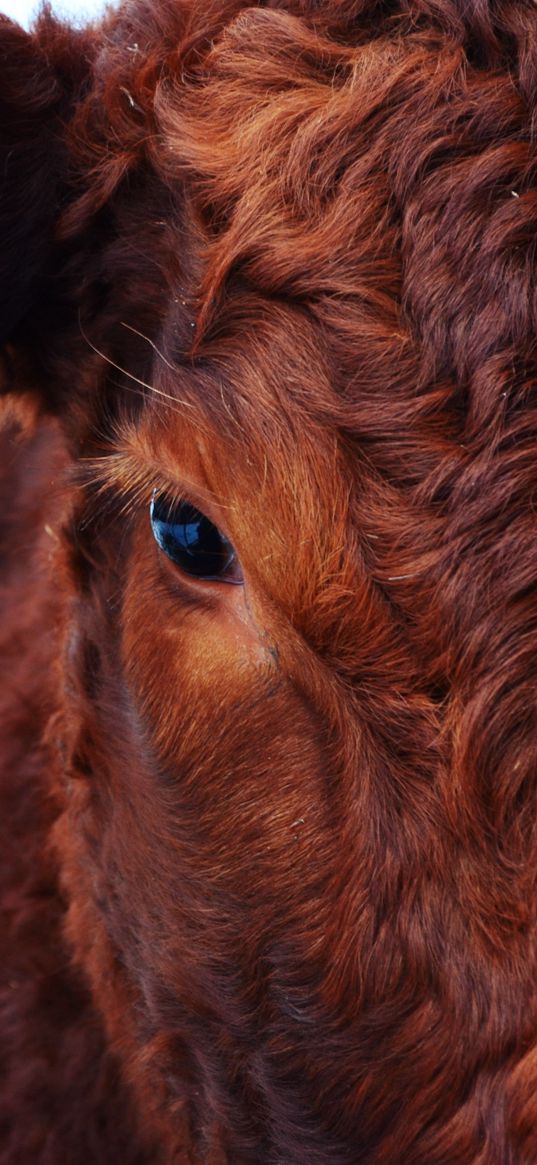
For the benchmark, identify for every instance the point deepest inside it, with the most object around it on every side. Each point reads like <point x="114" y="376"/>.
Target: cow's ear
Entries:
<point x="40" y="74"/>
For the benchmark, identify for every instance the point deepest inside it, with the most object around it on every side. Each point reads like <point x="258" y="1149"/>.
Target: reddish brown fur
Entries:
<point x="270" y="852"/>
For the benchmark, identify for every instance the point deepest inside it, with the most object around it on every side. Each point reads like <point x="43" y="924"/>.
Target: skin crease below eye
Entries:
<point x="225" y="624"/>
<point x="226" y="628"/>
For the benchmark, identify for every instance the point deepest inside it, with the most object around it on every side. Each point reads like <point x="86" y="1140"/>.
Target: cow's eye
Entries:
<point x="192" y="542"/>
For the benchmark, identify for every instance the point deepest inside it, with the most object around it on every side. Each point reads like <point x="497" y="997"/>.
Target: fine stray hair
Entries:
<point x="269" y="850"/>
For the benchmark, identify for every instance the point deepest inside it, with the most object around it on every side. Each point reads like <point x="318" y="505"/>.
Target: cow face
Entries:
<point x="283" y="311"/>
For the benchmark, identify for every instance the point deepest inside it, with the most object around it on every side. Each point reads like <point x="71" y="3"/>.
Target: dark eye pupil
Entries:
<point x="192" y="541"/>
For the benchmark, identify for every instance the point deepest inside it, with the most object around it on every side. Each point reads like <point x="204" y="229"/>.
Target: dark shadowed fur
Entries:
<point x="269" y="852"/>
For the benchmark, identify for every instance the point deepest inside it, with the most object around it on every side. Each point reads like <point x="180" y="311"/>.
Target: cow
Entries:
<point x="268" y="723"/>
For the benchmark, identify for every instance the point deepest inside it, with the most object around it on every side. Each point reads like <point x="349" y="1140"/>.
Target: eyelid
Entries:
<point x="175" y="494"/>
<point x="137" y="479"/>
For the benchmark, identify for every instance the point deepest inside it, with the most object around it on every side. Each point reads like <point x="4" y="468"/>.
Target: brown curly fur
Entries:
<point x="269" y="853"/>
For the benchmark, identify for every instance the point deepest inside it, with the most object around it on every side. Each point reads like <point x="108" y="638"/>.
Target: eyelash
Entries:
<point x="135" y="487"/>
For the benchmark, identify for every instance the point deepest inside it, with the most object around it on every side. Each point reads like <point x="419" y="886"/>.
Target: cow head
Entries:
<point x="273" y="275"/>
